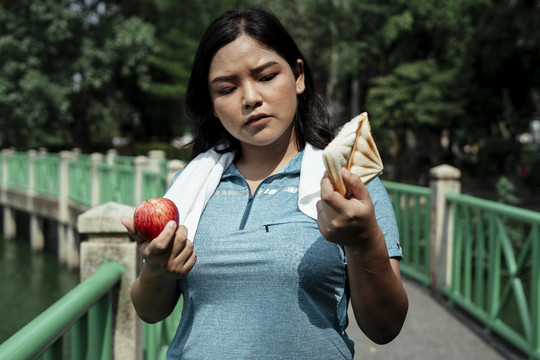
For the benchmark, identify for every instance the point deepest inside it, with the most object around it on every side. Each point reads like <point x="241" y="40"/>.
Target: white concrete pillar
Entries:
<point x="173" y="167"/>
<point x="63" y="205"/>
<point x="111" y="156"/>
<point x="109" y="240"/>
<point x="72" y="248"/>
<point x="37" y="237"/>
<point x="96" y="160"/>
<point x="10" y="227"/>
<point x="141" y="164"/>
<point x="444" y="178"/>
<point x="155" y="157"/>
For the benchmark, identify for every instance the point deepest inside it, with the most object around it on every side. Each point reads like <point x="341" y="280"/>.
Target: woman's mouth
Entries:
<point x="257" y="120"/>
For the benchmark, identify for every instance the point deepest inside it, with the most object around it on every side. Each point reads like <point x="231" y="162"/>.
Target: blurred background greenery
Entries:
<point x="454" y="82"/>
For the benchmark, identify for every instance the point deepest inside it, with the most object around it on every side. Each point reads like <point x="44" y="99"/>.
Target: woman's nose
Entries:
<point x="252" y="97"/>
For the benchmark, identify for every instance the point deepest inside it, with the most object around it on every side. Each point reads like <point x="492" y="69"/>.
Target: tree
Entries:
<point x="36" y="43"/>
<point x="70" y="72"/>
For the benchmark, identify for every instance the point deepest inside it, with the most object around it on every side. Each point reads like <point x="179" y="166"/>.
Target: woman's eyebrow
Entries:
<point x="254" y="71"/>
<point x="262" y="67"/>
<point x="229" y="78"/>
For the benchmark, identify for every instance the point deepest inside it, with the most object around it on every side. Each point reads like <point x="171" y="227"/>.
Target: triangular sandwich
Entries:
<point x="355" y="149"/>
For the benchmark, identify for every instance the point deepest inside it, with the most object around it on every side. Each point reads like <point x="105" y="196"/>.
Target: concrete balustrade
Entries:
<point x="109" y="240"/>
<point x="444" y="178"/>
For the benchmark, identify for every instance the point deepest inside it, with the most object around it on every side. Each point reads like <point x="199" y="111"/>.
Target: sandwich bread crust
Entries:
<point x="355" y="149"/>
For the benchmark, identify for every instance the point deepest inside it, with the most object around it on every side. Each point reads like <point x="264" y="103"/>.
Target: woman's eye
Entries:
<point x="226" y="91"/>
<point x="268" y="77"/>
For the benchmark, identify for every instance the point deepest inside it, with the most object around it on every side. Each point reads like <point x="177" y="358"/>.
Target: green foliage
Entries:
<point x="416" y="94"/>
<point x="33" y="92"/>
<point x="506" y="191"/>
<point x="63" y="71"/>
<point x="77" y="73"/>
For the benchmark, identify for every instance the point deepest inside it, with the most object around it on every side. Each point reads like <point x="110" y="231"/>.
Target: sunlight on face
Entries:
<point x="254" y="92"/>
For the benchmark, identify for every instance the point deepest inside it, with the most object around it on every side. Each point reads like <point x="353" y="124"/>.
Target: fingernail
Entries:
<point x="171" y="224"/>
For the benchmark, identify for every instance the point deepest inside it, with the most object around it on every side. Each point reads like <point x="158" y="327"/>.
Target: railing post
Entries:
<point x="155" y="158"/>
<point x="96" y="159"/>
<point x="68" y="247"/>
<point x="141" y="163"/>
<point x="173" y="167"/>
<point x="109" y="240"/>
<point x="37" y="238"/>
<point x="444" y="178"/>
<point x="10" y="227"/>
<point x="111" y="156"/>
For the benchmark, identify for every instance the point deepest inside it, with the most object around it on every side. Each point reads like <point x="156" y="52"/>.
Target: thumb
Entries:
<point x="128" y="223"/>
<point x="355" y="185"/>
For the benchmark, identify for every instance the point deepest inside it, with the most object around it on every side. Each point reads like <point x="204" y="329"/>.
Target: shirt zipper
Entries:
<point x="249" y="204"/>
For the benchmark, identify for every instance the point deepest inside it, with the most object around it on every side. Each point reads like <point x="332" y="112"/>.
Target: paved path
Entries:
<point x="431" y="331"/>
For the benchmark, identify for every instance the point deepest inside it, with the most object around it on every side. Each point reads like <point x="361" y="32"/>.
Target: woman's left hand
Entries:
<point x="378" y="298"/>
<point x="349" y="222"/>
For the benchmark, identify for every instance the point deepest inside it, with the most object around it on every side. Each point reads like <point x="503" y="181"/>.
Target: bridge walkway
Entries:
<point x="432" y="330"/>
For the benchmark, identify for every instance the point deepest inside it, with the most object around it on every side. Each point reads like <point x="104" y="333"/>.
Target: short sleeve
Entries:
<point x="386" y="217"/>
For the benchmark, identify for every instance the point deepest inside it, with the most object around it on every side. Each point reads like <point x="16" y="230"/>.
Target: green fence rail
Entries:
<point x="155" y="183"/>
<point x="80" y="179"/>
<point x="86" y="310"/>
<point x="46" y="171"/>
<point x="496" y="268"/>
<point x="115" y="178"/>
<point x="117" y="183"/>
<point x="412" y="206"/>
<point x="495" y="259"/>
<point x="18" y="171"/>
<point x="157" y="337"/>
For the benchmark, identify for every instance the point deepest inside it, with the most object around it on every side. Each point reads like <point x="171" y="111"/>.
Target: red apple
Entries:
<point x="152" y="215"/>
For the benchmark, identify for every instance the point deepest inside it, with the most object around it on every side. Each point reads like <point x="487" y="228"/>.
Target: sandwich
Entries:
<point x="354" y="149"/>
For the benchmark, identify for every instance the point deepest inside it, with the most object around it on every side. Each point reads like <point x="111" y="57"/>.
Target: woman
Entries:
<point x="276" y="252"/>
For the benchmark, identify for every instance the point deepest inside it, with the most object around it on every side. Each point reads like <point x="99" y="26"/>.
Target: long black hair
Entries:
<point x="312" y="124"/>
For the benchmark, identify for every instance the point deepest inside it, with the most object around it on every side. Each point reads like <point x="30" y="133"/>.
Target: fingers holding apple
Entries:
<point x="152" y="215"/>
<point x="170" y="254"/>
<point x="161" y="241"/>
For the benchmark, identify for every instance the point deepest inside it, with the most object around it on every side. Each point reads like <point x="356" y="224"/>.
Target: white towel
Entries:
<point x="200" y="178"/>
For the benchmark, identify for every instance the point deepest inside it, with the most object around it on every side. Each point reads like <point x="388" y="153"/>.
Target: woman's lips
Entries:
<point x="258" y="120"/>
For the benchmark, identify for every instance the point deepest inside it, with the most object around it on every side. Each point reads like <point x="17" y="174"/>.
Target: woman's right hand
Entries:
<point x="170" y="255"/>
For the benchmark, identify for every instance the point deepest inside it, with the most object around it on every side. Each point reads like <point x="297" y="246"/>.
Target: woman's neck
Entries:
<point x="257" y="163"/>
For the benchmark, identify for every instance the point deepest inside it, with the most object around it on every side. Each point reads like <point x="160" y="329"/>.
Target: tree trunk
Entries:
<point x="355" y="97"/>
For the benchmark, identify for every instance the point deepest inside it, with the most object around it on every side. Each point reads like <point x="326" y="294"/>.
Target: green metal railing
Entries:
<point x="116" y="180"/>
<point x="412" y="206"/>
<point x="495" y="261"/>
<point x="86" y="310"/>
<point x="155" y="184"/>
<point x="80" y="179"/>
<point x="46" y="174"/>
<point x="496" y="268"/>
<point x="117" y="183"/>
<point x="158" y="336"/>
<point x="18" y="171"/>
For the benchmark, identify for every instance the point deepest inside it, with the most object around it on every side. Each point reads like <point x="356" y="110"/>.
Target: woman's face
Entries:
<point x="254" y="93"/>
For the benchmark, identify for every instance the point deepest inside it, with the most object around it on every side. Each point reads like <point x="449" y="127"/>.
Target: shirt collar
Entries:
<point x="293" y="166"/>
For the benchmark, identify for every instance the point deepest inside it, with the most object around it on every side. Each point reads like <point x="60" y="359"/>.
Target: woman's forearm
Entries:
<point x="378" y="298"/>
<point x="153" y="297"/>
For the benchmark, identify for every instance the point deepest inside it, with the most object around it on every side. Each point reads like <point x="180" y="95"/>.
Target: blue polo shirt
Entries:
<point x="266" y="284"/>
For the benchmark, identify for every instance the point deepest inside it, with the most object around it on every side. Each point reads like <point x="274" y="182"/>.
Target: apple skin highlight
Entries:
<point x="152" y="215"/>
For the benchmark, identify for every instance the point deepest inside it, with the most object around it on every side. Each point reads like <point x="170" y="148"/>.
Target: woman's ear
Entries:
<point x="299" y="75"/>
